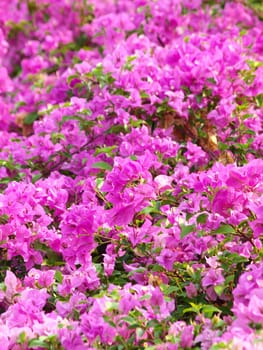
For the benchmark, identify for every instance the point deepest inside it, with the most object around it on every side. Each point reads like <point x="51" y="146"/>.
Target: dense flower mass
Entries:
<point x="131" y="175"/>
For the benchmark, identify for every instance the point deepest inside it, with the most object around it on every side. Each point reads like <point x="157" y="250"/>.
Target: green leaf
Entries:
<point x="21" y="338"/>
<point x="209" y="310"/>
<point x="150" y="210"/>
<point x="58" y="277"/>
<point x="250" y="132"/>
<point x="99" y="182"/>
<point x="98" y="267"/>
<point x="30" y="118"/>
<point x="140" y="332"/>
<point x="102" y="165"/>
<point x="84" y="124"/>
<point x="219" y="346"/>
<point x="6" y="180"/>
<point x="144" y="94"/>
<point x="156" y="267"/>
<point x="195" y="308"/>
<point x="211" y="80"/>
<point x="53" y="258"/>
<point x="145" y="297"/>
<point x="4" y="219"/>
<point x="128" y="65"/>
<point x="169" y="289"/>
<point x="223" y="146"/>
<point x="259" y="100"/>
<point x="36" y="177"/>
<point x="186" y="229"/>
<point x="139" y="270"/>
<point x="106" y="150"/>
<point x="18" y="105"/>
<point x="219" y="289"/>
<point x="199" y="98"/>
<point x="128" y="319"/>
<point x="234" y="258"/>
<point x="108" y="319"/>
<point x="116" y="129"/>
<point x="202" y="218"/>
<point x="38" y="343"/>
<point x="229" y="279"/>
<point x="9" y="164"/>
<point x="112" y="305"/>
<point x="225" y="229"/>
<point x="121" y="92"/>
<point x="56" y="137"/>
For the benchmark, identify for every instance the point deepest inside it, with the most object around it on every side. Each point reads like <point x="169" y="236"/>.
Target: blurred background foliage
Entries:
<point x="256" y="6"/>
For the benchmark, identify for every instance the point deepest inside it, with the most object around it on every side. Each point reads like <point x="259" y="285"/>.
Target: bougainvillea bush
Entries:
<point x="131" y="175"/>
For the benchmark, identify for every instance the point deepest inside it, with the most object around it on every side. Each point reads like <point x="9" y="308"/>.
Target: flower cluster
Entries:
<point x="131" y="175"/>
